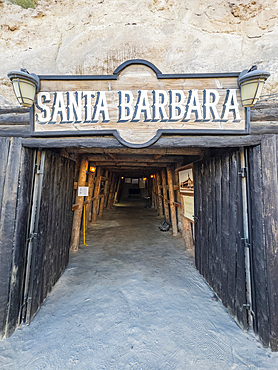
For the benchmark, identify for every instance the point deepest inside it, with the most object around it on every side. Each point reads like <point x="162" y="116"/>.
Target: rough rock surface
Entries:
<point x="94" y="37"/>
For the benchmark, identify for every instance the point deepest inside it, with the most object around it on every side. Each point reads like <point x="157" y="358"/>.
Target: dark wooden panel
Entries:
<point x="217" y="284"/>
<point x="10" y="168"/>
<point x="240" y="310"/>
<point x="19" y="245"/>
<point x="270" y="199"/>
<point x="51" y="251"/>
<point x="197" y="212"/>
<point x="217" y="231"/>
<point x="258" y="245"/>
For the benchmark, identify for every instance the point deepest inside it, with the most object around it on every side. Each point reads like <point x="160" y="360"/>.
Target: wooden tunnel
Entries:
<point x="104" y="174"/>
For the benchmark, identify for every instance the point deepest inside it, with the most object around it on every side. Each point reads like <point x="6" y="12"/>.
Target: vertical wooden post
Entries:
<point x="172" y="200"/>
<point x="154" y="200"/>
<point x="106" y="190"/>
<point x="159" y="200"/>
<point x="91" y="178"/>
<point x="105" y="194"/>
<point x="113" y="191"/>
<point x="187" y="233"/>
<point x="75" y="234"/>
<point x="96" y="195"/>
<point x="117" y="190"/>
<point x="165" y="196"/>
<point x="110" y="197"/>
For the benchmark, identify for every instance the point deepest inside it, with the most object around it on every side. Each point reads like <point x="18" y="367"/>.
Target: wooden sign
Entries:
<point x="188" y="207"/>
<point x="137" y="104"/>
<point x="83" y="191"/>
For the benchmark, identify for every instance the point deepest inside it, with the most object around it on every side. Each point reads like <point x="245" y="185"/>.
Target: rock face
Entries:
<point x="94" y="37"/>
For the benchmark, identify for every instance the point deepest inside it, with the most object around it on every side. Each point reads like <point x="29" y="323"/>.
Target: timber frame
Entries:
<point x="215" y="157"/>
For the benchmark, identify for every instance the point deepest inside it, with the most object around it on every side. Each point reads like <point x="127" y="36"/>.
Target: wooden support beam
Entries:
<point x="187" y="233"/>
<point x="114" y="189"/>
<point x="102" y="202"/>
<point x="110" y="175"/>
<point x="117" y="190"/>
<point x="153" y="194"/>
<point x="88" y="200"/>
<point x="192" y="150"/>
<point x="75" y="234"/>
<point x="159" y="200"/>
<point x="110" y="197"/>
<point x="96" y="195"/>
<point x="137" y="158"/>
<point x="165" y="195"/>
<point x="119" y="165"/>
<point x="172" y="201"/>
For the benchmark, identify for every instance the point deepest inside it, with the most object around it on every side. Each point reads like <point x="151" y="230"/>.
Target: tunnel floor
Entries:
<point x="132" y="299"/>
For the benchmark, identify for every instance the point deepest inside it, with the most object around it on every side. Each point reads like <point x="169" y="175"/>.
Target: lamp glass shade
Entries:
<point x="24" y="90"/>
<point x="251" y="91"/>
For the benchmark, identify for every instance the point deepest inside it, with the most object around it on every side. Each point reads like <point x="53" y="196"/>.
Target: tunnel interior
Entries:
<point x="148" y="178"/>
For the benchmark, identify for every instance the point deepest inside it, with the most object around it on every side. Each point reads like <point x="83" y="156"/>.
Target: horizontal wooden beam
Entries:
<point x="264" y="111"/>
<point x="134" y="159"/>
<point x="142" y="151"/>
<point x="266" y="127"/>
<point x="14" y="109"/>
<point x="130" y="164"/>
<point x="166" y="144"/>
<point x="15" y="119"/>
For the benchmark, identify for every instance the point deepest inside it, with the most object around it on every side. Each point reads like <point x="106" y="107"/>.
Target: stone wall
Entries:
<point x="94" y="37"/>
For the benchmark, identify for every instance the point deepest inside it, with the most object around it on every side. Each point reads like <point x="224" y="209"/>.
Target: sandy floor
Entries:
<point x="132" y="299"/>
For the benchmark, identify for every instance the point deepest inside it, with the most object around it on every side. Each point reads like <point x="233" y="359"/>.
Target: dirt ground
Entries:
<point x="132" y="299"/>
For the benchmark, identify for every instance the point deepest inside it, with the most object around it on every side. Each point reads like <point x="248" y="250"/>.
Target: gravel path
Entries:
<point x="133" y="299"/>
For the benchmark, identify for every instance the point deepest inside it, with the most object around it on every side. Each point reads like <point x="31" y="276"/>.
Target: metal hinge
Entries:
<point x="32" y="236"/>
<point x="38" y="170"/>
<point x="248" y="308"/>
<point x="245" y="242"/>
<point x="243" y="172"/>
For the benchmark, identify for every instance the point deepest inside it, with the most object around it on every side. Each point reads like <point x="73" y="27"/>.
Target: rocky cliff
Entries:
<point x="94" y="37"/>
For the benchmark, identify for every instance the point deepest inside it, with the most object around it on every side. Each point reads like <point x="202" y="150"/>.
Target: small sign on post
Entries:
<point x="83" y="191"/>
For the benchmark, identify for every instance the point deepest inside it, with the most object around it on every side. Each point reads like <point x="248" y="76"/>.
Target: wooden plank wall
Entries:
<point x="263" y="162"/>
<point x="218" y="248"/>
<point x="15" y="190"/>
<point x="51" y="252"/>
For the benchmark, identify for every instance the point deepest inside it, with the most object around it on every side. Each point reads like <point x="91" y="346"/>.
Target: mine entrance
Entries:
<point x="72" y="188"/>
<point x="60" y="211"/>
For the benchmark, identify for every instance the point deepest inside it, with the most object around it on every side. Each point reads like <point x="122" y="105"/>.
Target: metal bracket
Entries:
<point x="243" y="172"/>
<point x="246" y="243"/>
<point x="249" y="308"/>
<point x="38" y="170"/>
<point x="32" y="236"/>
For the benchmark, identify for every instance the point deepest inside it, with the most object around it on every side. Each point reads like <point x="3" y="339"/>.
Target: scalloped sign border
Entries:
<point x="137" y="104"/>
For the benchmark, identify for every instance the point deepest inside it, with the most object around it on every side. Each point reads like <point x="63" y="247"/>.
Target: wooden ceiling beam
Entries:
<point x="132" y="159"/>
<point x="147" y="151"/>
<point x="129" y="164"/>
<point x="133" y="170"/>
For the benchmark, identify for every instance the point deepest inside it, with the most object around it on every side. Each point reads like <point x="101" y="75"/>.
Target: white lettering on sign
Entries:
<point x="142" y="105"/>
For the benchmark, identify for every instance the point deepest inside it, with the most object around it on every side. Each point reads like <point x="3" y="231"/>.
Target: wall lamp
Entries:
<point x="92" y="169"/>
<point x="25" y="85"/>
<point x="251" y="84"/>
